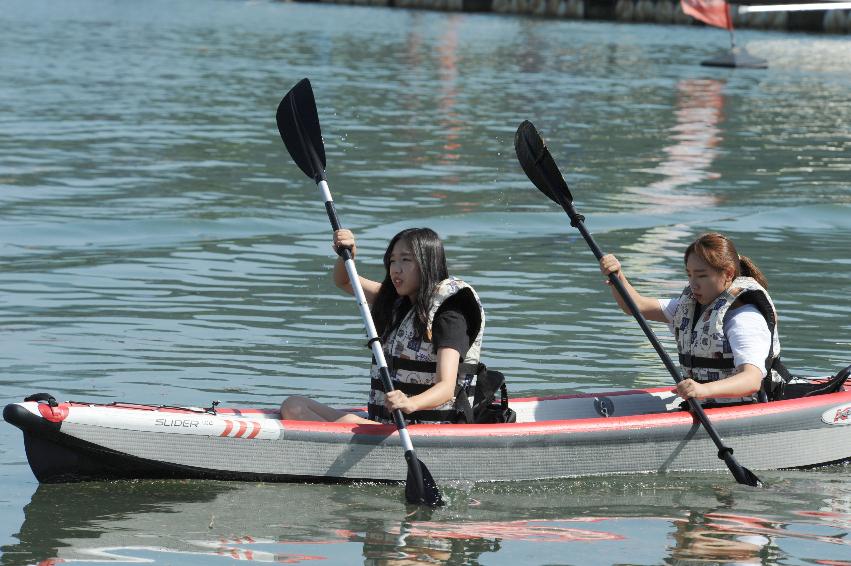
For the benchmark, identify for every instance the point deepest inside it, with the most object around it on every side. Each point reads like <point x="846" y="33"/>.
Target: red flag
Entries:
<point x="713" y="12"/>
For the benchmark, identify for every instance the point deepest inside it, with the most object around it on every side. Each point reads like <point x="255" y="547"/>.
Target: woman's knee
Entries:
<point x="293" y="407"/>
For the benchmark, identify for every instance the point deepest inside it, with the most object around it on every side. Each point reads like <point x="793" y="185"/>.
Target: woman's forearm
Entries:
<point x="610" y="266"/>
<point x="434" y="396"/>
<point x="647" y="306"/>
<point x="447" y="376"/>
<point x="746" y="382"/>
<point x="341" y="276"/>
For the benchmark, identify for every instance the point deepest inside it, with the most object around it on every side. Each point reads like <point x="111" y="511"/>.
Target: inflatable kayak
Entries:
<point x="618" y="432"/>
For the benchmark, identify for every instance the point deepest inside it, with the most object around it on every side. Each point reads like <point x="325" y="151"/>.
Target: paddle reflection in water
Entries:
<point x="590" y="520"/>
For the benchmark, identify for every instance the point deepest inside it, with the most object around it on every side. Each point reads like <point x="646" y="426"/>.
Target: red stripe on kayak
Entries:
<point x="837" y="400"/>
<point x="228" y="427"/>
<point x="225" y="411"/>
<point x="241" y="430"/>
<point x="596" y="424"/>
<point x="256" y="429"/>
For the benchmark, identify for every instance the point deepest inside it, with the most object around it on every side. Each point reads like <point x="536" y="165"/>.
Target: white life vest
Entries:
<point x="704" y="350"/>
<point x="412" y="360"/>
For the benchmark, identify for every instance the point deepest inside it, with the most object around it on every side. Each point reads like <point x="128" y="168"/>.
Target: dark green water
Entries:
<point x="157" y="245"/>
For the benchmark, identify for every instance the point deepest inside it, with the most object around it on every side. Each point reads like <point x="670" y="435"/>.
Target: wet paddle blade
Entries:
<point x="748" y="478"/>
<point x="539" y="165"/>
<point x="743" y="475"/>
<point x="420" y="487"/>
<point x="298" y="124"/>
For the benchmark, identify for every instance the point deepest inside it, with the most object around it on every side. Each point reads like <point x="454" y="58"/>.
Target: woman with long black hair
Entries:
<point x="431" y="328"/>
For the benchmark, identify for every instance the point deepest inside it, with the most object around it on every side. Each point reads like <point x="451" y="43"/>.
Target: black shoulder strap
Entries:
<point x="406" y="388"/>
<point x="465" y="302"/>
<point x="690" y="361"/>
<point x="772" y="390"/>
<point x="462" y="405"/>
<point x="781" y="369"/>
<point x="757" y="299"/>
<point x="427" y="367"/>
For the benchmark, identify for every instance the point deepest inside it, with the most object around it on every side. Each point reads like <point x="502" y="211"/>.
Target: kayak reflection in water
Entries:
<point x="723" y="538"/>
<point x="431" y="328"/>
<point x="408" y="544"/>
<point x="724" y="322"/>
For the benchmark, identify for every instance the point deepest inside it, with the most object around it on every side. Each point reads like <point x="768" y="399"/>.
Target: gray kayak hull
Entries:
<point x="619" y="432"/>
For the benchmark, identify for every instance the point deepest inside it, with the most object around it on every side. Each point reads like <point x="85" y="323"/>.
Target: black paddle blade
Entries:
<point x="298" y="124"/>
<point x="539" y="165"/>
<point x="743" y="475"/>
<point x="420" y="487"/>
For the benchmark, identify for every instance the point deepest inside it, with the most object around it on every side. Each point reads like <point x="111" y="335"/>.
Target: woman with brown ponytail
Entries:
<point x="724" y="321"/>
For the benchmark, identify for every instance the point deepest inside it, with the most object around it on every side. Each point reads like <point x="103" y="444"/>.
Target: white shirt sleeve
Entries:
<point x="750" y="339"/>
<point x="669" y="309"/>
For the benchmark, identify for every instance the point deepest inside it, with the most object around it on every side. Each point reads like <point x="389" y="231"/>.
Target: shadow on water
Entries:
<point x="660" y="520"/>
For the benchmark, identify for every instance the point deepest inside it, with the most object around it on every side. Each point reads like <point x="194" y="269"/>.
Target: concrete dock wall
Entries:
<point x="658" y="11"/>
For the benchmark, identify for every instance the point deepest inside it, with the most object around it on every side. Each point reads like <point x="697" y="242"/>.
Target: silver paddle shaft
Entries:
<point x="366" y="315"/>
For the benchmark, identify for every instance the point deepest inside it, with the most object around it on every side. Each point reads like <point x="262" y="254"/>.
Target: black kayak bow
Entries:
<point x="298" y="124"/>
<point x="542" y="170"/>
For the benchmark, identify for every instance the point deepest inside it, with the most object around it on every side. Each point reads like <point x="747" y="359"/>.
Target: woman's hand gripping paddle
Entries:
<point x="298" y="124"/>
<point x="542" y="170"/>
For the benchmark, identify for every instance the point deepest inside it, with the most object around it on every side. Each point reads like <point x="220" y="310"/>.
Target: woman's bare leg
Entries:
<point x="355" y="419"/>
<point x="298" y="408"/>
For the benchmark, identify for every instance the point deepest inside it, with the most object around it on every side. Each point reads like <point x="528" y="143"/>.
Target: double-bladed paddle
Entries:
<point x="298" y="124"/>
<point x="542" y="170"/>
